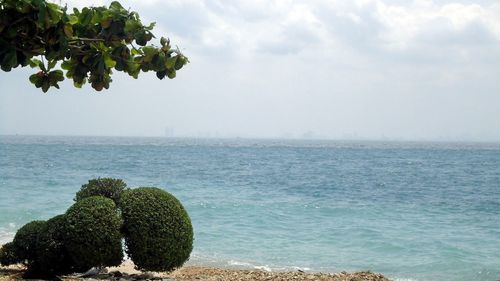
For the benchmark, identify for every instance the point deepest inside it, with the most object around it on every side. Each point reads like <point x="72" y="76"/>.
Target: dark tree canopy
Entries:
<point x="89" y="44"/>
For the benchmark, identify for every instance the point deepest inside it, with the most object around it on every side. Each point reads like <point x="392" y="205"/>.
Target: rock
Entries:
<point x="116" y="273"/>
<point x="91" y="272"/>
<point x="145" y="276"/>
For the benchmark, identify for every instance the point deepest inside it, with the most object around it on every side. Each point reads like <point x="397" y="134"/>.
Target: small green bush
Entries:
<point x="25" y="241"/>
<point x="8" y="255"/>
<point x="52" y="256"/>
<point x="93" y="235"/>
<point x="157" y="229"/>
<point x="106" y="187"/>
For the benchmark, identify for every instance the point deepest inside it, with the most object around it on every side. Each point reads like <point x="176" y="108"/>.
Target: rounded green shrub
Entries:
<point x="8" y="255"/>
<point x="52" y="257"/>
<point x="92" y="233"/>
<point x="25" y="241"/>
<point x="157" y="229"/>
<point x="107" y="187"/>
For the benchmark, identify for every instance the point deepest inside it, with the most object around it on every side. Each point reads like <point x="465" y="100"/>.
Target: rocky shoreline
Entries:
<point x="218" y="274"/>
<point x="125" y="272"/>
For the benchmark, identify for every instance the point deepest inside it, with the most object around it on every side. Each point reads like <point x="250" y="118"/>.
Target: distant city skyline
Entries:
<point x="285" y="136"/>
<point x="363" y="69"/>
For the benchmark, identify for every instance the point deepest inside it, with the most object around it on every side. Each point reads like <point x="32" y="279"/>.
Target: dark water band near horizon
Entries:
<point x="409" y="210"/>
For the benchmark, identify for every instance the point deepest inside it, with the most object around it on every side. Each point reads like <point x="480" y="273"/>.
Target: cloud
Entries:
<point x="408" y="69"/>
<point x="378" y="28"/>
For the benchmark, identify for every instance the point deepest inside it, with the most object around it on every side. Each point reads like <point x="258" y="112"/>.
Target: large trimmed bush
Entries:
<point x="8" y="255"/>
<point x="52" y="257"/>
<point x="25" y="241"/>
<point x="106" y="187"/>
<point x="157" y="229"/>
<point x="93" y="235"/>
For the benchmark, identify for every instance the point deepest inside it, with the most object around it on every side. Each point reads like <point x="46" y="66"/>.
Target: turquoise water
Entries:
<point x="412" y="211"/>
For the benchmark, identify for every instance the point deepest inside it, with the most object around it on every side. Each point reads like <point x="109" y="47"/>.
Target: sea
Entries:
<point x="410" y="210"/>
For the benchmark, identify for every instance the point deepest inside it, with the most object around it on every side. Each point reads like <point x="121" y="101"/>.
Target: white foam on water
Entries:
<point x="263" y="267"/>
<point x="301" y="268"/>
<point x="239" y="263"/>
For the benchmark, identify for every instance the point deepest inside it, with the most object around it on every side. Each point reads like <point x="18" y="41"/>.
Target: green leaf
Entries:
<point x="55" y="13"/>
<point x="38" y="51"/>
<point x="78" y="84"/>
<point x="56" y="75"/>
<point x="116" y="5"/>
<point x="86" y="16"/>
<point x="142" y="37"/>
<point x="151" y="26"/>
<point x="105" y="23"/>
<point x="181" y="61"/>
<point x="52" y="64"/>
<point x="133" y="69"/>
<point x="108" y="61"/>
<point x="136" y="52"/>
<point x="73" y="19"/>
<point x="131" y="25"/>
<point x="170" y="62"/>
<point x="164" y="41"/>
<point x="159" y="61"/>
<point x="23" y="7"/>
<point x="100" y="67"/>
<point x="67" y="65"/>
<point x="149" y="53"/>
<point x="10" y="59"/>
<point x="45" y="85"/>
<point x="35" y="78"/>
<point x="68" y="30"/>
<point x="34" y="62"/>
<point x="161" y="74"/>
<point x="96" y="17"/>
<point x="42" y="66"/>
<point x="42" y="13"/>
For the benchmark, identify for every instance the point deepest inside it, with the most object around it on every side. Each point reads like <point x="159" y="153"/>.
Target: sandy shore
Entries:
<point x="127" y="272"/>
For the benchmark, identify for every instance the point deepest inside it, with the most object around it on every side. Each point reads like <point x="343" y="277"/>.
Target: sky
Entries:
<point x="357" y="69"/>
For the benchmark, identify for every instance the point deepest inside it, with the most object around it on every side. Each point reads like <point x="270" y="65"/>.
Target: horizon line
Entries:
<point x="442" y="140"/>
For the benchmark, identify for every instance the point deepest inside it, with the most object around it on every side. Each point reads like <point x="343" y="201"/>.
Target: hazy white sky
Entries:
<point x="370" y="69"/>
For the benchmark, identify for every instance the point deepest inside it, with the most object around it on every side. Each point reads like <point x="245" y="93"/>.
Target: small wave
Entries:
<point x="239" y="263"/>
<point x="301" y="268"/>
<point x="249" y="265"/>
<point x="263" y="267"/>
<point x="268" y="268"/>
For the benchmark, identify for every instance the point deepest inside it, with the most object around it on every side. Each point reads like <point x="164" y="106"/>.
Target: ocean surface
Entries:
<point x="412" y="211"/>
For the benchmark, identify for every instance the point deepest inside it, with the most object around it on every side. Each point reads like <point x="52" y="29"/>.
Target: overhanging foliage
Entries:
<point x="89" y="43"/>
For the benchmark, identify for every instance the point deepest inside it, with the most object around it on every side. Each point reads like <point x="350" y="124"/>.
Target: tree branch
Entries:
<point x="87" y="40"/>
